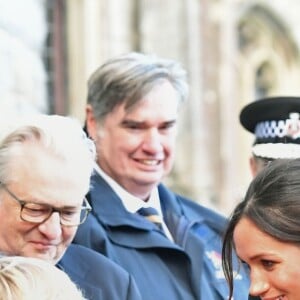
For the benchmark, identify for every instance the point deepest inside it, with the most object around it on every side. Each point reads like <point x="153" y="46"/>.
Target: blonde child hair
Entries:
<point x="24" y="278"/>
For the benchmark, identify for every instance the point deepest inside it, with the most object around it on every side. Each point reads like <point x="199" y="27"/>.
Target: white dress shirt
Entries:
<point x="132" y="203"/>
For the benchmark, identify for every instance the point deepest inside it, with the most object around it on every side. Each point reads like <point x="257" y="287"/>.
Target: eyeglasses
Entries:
<point x="39" y="213"/>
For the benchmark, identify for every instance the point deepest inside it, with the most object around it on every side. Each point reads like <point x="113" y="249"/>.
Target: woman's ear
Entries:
<point x="254" y="167"/>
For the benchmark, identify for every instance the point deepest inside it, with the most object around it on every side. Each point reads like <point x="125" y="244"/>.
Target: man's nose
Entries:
<point x="152" y="141"/>
<point x="51" y="227"/>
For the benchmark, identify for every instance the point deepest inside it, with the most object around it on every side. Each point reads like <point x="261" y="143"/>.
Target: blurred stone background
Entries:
<point x="235" y="51"/>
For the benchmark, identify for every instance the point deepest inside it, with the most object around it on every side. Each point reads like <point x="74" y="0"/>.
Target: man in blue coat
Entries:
<point x="98" y="277"/>
<point x="45" y="168"/>
<point x="174" y="252"/>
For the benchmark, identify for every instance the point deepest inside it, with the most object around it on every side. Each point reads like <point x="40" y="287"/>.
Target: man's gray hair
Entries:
<point x="60" y="136"/>
<point x="129" y="77"/>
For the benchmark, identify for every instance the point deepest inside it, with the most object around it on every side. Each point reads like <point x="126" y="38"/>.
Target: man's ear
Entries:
<point x="90" y="122"/>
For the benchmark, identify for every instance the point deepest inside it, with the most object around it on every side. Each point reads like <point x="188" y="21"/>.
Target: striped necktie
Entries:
<point x="152" y="215"/>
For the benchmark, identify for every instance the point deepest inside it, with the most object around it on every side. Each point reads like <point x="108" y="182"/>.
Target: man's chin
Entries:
<point x="149" y="178"/>
<point x="51" y="257"/>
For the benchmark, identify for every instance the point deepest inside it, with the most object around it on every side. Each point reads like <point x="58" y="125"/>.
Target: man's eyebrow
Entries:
<point x="70" y="207"/>
<point x="54" y="206"/>
<point x="170" y="122"/>
<point x="131" y="122"/>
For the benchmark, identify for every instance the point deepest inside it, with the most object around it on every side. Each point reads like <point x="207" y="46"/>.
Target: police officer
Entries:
<point x="275" y="124"/>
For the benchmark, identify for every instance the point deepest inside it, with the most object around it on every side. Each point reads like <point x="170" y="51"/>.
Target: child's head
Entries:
<point x="25" y="278"/>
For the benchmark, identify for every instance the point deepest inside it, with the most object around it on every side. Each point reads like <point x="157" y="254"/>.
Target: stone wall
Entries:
<point x="204" y="35"/>
<point x="23" y="78"/>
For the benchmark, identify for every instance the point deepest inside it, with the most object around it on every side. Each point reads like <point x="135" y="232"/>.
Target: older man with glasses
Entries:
<point x="45" y="168"/>
<point x="34" y="212"/>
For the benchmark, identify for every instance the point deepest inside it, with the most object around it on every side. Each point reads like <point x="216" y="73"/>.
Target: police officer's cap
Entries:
<point x="276" y="125"/>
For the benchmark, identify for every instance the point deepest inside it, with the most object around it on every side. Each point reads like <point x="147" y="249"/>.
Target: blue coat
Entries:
<point x="190" y="268"/>
<point x="98" y="277"/>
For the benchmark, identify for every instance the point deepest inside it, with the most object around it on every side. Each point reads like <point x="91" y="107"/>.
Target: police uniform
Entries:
<point x="275" y="123"/>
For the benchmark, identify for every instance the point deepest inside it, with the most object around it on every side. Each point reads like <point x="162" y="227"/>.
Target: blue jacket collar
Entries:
<point x="121" y="224"/>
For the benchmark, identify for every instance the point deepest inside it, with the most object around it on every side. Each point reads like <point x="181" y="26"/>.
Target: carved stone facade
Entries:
<point x="234" y="50"/>
<point x="22" y="77"/>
